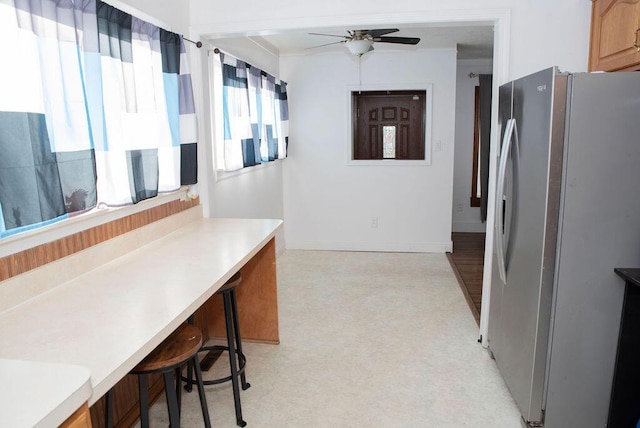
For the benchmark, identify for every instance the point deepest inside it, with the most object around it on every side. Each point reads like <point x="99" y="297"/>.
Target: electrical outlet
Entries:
<point x="374" y="222"/>
<point x="460" y="207"/>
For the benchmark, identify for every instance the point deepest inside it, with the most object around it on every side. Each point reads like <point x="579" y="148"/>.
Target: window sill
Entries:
<point x="225" y="175"/>
<point x="96" y="217"/>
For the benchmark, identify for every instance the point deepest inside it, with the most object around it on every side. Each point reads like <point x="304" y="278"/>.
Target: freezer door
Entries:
<point x="505" y="110"/>
<point x="519" y="337"/>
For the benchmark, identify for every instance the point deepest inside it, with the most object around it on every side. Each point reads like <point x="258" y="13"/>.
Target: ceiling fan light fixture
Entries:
<point x="359" y="47"/>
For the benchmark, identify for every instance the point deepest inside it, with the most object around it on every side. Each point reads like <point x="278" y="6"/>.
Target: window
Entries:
<point x="389" y="125"/>
<point x="251" y="114"/>
<point x="94" y="111"/>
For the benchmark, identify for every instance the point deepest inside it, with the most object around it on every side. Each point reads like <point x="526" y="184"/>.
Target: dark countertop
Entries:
<point x="631" y="275"/>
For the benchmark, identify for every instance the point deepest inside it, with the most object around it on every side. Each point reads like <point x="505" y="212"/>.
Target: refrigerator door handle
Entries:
<point x="502" y="172"/>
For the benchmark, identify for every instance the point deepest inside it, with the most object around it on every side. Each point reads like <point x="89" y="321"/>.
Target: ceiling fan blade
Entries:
<point x="380" y="32"/>
<point x="326" y="44"/>
<point x="330" y="35"/>
<point x="400" y="40"/>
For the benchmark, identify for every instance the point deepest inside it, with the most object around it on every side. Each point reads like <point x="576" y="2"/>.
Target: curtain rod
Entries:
<point x="220" y="51"/>
<point x="198" y="43"/>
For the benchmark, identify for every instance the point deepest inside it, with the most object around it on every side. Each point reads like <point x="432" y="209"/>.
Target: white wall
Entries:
<point x="465" y="217"/>
<point x="330" y="204"/>
<point x="171" y="15"/>
<point x="543" y="32"/>
<point x="252" y="193"/>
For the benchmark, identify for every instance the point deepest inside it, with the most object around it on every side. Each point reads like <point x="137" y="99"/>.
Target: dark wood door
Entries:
<point x="389" y="125"/>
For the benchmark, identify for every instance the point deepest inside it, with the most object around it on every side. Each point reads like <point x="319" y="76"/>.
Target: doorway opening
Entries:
<point x="469" y="225"/>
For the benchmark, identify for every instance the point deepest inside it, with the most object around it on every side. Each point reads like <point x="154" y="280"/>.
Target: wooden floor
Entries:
<point x="467" y="262"/>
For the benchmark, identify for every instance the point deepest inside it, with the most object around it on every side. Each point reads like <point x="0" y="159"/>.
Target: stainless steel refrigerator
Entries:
<point x="567" y="214"/>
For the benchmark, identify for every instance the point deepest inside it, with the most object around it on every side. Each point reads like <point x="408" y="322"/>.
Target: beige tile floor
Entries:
<point x="367" y="340"/>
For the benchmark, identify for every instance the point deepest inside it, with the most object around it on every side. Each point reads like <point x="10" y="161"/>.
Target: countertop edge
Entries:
<point x="68" y="386"/>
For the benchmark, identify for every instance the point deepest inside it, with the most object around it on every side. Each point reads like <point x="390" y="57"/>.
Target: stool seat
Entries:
<point x="175" y="350"/>
<point x="232" y="282"/>
<point x="179" y="348"/>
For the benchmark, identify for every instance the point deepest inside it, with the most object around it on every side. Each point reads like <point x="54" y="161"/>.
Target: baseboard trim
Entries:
<point x="417" y="247"/>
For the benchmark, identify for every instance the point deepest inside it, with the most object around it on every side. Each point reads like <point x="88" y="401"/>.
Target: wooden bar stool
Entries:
<point x="237" y="359"/>
<point x="170" y="356"/>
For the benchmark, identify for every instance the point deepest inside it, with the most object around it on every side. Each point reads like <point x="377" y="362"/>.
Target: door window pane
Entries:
<point x="388" y="142"/>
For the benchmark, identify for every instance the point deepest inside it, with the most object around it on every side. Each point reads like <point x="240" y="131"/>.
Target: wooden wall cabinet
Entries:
<point x="615" y="35"/>
<point x="79" y="419"/>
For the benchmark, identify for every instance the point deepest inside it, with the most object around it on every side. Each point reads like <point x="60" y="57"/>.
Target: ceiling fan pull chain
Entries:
<point x="360" y="74"/>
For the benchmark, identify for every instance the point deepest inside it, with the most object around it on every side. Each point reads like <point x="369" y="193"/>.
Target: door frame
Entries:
<point x="426" y="87"/>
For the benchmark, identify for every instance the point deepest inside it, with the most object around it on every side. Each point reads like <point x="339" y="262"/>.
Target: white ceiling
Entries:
<point x="473" y="42"/>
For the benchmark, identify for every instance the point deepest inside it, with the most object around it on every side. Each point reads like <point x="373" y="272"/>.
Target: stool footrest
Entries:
<point x="242" y="362"/>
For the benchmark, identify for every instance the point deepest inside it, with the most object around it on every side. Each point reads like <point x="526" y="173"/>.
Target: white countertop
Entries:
<point x="36" y="394"/>
<point x="110" y="318"/>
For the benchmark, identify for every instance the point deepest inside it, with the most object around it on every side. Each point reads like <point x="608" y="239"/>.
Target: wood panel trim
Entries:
<point x="32" y="258"/>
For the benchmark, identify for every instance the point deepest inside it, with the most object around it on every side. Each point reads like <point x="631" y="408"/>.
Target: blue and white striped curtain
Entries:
<point x="281" y="111"/>
<point x="237" y="117"/>
<point x="186" y="113"/>
<point x="142" y="108"/>
<point x="48" y="104"/>
<point x="96" y="106"/>
<point x="255" y="114"/>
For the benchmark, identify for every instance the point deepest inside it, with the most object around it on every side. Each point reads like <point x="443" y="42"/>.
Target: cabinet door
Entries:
<point x="80" y="419"/>
<point x="614" y="31"/>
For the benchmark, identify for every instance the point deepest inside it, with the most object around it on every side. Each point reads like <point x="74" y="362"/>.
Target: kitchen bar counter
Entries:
<point x="109" y="318"/>
<point x="630" y="275"/>
<point x="36" y="394"/>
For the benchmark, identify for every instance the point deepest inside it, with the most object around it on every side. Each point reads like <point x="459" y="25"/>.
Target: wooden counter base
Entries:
<point x="257" y="302"/>
<point x="79" y="419"/>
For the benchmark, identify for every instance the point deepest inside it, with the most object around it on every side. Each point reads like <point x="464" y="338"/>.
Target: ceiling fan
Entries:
<point x="360" y="42"/>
